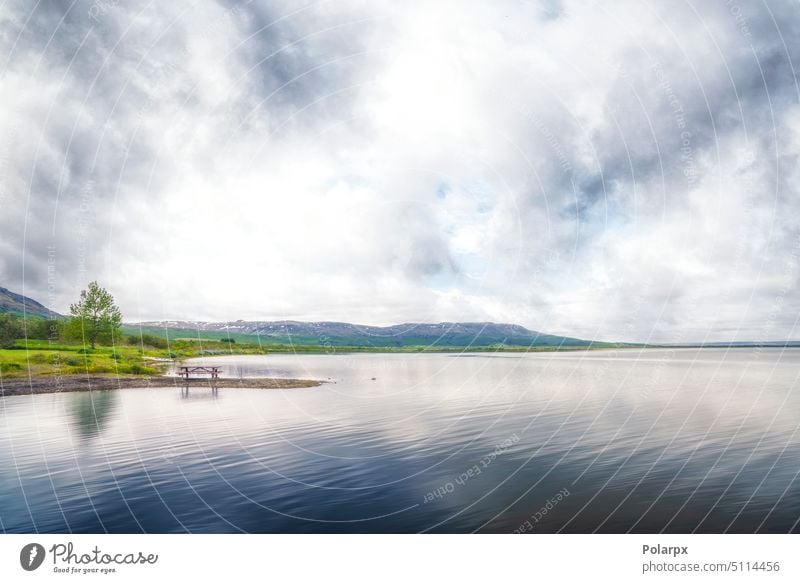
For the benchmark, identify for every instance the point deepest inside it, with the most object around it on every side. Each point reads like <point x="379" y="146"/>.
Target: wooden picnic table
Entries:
<point x="186" y="371"/>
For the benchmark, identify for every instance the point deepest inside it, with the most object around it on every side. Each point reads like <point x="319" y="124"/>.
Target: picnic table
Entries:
<point x="186" y="371"/>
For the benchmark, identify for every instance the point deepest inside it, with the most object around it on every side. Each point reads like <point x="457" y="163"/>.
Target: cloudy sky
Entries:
<point x="623" y="170"/>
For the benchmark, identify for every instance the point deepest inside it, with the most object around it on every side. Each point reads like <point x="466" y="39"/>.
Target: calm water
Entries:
<point x="677" y="441"/>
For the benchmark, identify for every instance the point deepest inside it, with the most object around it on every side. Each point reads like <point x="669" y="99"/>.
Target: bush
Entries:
<point x="147" y="340"/>
<point x="14" y="327"/>
<point x="10" y="367"/>
<point x="116" y="356"/>
<point x="72" y="361"/>
<point x="10" y="330"/>
<point x="139" y="369"/>
<point x="102" y="369"/>
<point x="39" y="329"/>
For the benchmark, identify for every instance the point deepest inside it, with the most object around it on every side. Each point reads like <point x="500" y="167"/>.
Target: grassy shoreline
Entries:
<point x="41" y="358"/>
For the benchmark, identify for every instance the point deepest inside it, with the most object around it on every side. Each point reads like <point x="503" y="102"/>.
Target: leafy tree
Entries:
<point x="42" y="329"/>
<point x="10" y="330"/>
<point x="97" y="315"/>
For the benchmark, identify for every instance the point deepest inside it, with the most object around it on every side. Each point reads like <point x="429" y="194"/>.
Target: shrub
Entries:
<point x="10" y="330"/>
<point x="43" y="329"/>
<point x="72" y="361"/>
<point x="10" y="367"/>
<point x="139" y="369"/>
<point x="147" y="340"/>
<point x="102" y="369"/>
<point x="155" y="341"/>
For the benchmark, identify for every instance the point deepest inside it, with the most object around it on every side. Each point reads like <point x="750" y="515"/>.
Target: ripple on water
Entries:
<point x="643" y="440"/>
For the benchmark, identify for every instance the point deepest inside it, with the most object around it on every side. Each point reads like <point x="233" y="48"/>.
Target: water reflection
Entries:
<point x="91" y="411"/>
<point x="199" y="392"/>
<point x="644" y="441"/>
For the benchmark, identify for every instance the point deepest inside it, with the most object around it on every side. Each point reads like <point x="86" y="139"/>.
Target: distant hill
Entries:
<point x="737" y="344"/>
<point x="477" y="334"/>
<point x="15" y="303"/>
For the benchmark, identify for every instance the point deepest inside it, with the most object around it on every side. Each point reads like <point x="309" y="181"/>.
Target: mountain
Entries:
<point x="14" y="303"/>
<point x="736" y="344"/>
<point x="476" y="334"/>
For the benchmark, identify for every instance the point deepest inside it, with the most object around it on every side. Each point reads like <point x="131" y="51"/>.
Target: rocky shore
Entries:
<point x="72" y="383"/>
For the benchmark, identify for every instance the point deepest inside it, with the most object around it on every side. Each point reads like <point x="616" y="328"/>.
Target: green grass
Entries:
<point x="38" y="357"/>
<point x="42" y="357"/>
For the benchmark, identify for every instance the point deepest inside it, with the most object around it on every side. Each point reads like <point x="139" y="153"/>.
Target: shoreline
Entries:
<point x="44" y="384"/>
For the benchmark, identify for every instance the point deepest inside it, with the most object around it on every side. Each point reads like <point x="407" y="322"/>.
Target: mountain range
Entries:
<point x="324" y="334"/>
<point x="14" y="303"/>
<point x="477" y="334"/>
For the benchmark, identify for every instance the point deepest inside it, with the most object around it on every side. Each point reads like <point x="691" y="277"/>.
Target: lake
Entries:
<point x="682" y="440"/>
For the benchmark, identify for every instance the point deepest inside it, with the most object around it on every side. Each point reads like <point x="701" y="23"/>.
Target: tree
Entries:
<point x="97" y="315"/>
<point x="10" y="330"/>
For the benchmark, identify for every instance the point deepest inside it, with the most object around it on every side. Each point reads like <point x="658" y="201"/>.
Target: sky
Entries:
<point x="616" y="171"/>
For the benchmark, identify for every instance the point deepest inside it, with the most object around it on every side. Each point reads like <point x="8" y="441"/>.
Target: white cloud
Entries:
<point x="615" y="171"/>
